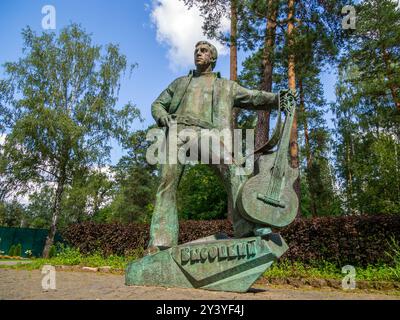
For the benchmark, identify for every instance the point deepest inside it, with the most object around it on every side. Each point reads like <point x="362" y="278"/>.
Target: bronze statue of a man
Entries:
<point x="201" y="100"/>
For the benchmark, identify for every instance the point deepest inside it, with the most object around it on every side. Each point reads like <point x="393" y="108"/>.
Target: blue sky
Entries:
<point x="158" y="36"/>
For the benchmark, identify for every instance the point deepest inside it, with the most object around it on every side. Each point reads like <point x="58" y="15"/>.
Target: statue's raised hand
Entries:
<point x="284" y="96"/>
<point x="286" y="93"/>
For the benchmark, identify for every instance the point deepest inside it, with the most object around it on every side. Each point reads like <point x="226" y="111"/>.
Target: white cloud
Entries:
<point x="180" y="29"/>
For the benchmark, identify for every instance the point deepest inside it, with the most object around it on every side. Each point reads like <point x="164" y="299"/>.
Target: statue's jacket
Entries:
<point x="226" y="94"/>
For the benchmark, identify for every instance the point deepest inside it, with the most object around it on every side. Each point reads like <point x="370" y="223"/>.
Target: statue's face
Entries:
<point x="202" y="56"/>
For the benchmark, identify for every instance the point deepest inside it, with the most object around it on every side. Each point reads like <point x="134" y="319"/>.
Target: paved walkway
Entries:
<point x="23" y="284"/>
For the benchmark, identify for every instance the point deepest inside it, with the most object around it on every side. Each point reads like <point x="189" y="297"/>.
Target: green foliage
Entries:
<point x="52" y="251"/>
<point x="136" y="183"/>
<point x="12" y="213"/>
<point x="69" y="256"/>
<point x="59" y="105"/>
<point x="394" y="254"/>
<point x="286" y="269"/>
<point x="367" y="125"/>
<point x="18" y="250"/>
<point x="136" y="192"/>
<point x="201" y="195"/>
<point x="374" y="51"/>
<point x="84" y="199"/>
<point x="29" y="253"/>
<point x="87" y="195"/>
<point x="66" y="113"/>
<point x="367" y="149"/>
<point x="11" y="251"/>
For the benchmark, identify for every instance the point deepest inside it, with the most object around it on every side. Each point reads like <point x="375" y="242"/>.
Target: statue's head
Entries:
<point x="205" y="54"/>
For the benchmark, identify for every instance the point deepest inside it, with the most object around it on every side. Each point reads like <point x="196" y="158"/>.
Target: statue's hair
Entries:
<point x="214" y="52"/>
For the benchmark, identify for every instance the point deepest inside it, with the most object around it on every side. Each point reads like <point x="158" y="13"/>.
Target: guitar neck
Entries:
<point x="274" y="188"/>
<point x="283" y="146"/>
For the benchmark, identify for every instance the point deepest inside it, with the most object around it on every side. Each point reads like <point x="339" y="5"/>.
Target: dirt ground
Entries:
<point x="23" y="284"/>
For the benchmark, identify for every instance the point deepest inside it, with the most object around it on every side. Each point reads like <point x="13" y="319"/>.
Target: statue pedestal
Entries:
<point x="212" y="263"/>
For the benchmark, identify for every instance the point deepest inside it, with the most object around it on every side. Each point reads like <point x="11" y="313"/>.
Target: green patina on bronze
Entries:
<point x="207" y="101"/>
<point x="269" y="197"/>
<point x="225" y="265"/>
<point x="204" y="100"/>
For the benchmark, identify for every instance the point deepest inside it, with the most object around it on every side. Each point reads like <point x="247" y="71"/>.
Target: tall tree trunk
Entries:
<point x="233" y="53"/>
<point x="233" y="77"/>
<point x="263" y="121"/>
<point x="56" y="213"/>
<point x="294" y="148"/>
<point x="349" y="175"/>
<point x="302" y="106"/>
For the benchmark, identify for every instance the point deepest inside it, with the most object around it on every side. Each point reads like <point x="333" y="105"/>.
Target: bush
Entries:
<point x="195" y="229"/>
<point x="355" y="240"/>
<point x="11" y="251"/>
<point x="69" y="256"/>
<point x="394" y="254"/>
<point x="29" y="253"/>
<point x="120" y="239"/>
<point x="52" y="251"/>
<point x="18" y="250"/>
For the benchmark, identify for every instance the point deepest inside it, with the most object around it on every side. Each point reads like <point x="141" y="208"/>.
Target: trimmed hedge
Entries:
<point x="119" y="239"/>
<point x="113" y="238"/>
<point x="356" y="240"/>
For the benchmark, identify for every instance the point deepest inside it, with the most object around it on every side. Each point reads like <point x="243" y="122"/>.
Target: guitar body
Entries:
<point x="259" y="211"/>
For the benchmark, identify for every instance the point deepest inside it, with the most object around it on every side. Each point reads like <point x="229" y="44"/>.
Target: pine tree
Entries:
<point x="367" y="111"/>
<point x="374" y="48"/>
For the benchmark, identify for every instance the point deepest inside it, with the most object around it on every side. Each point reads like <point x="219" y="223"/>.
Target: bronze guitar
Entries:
<point x="269" y="197"/>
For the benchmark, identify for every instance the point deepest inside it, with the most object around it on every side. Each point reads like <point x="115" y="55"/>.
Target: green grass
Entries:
<point x="326" y="270"/>
<point x="285" y="269"/>
<point x="72" y="257"/>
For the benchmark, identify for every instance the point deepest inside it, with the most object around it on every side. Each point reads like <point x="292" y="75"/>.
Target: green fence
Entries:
<point x="30" y="239"/>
